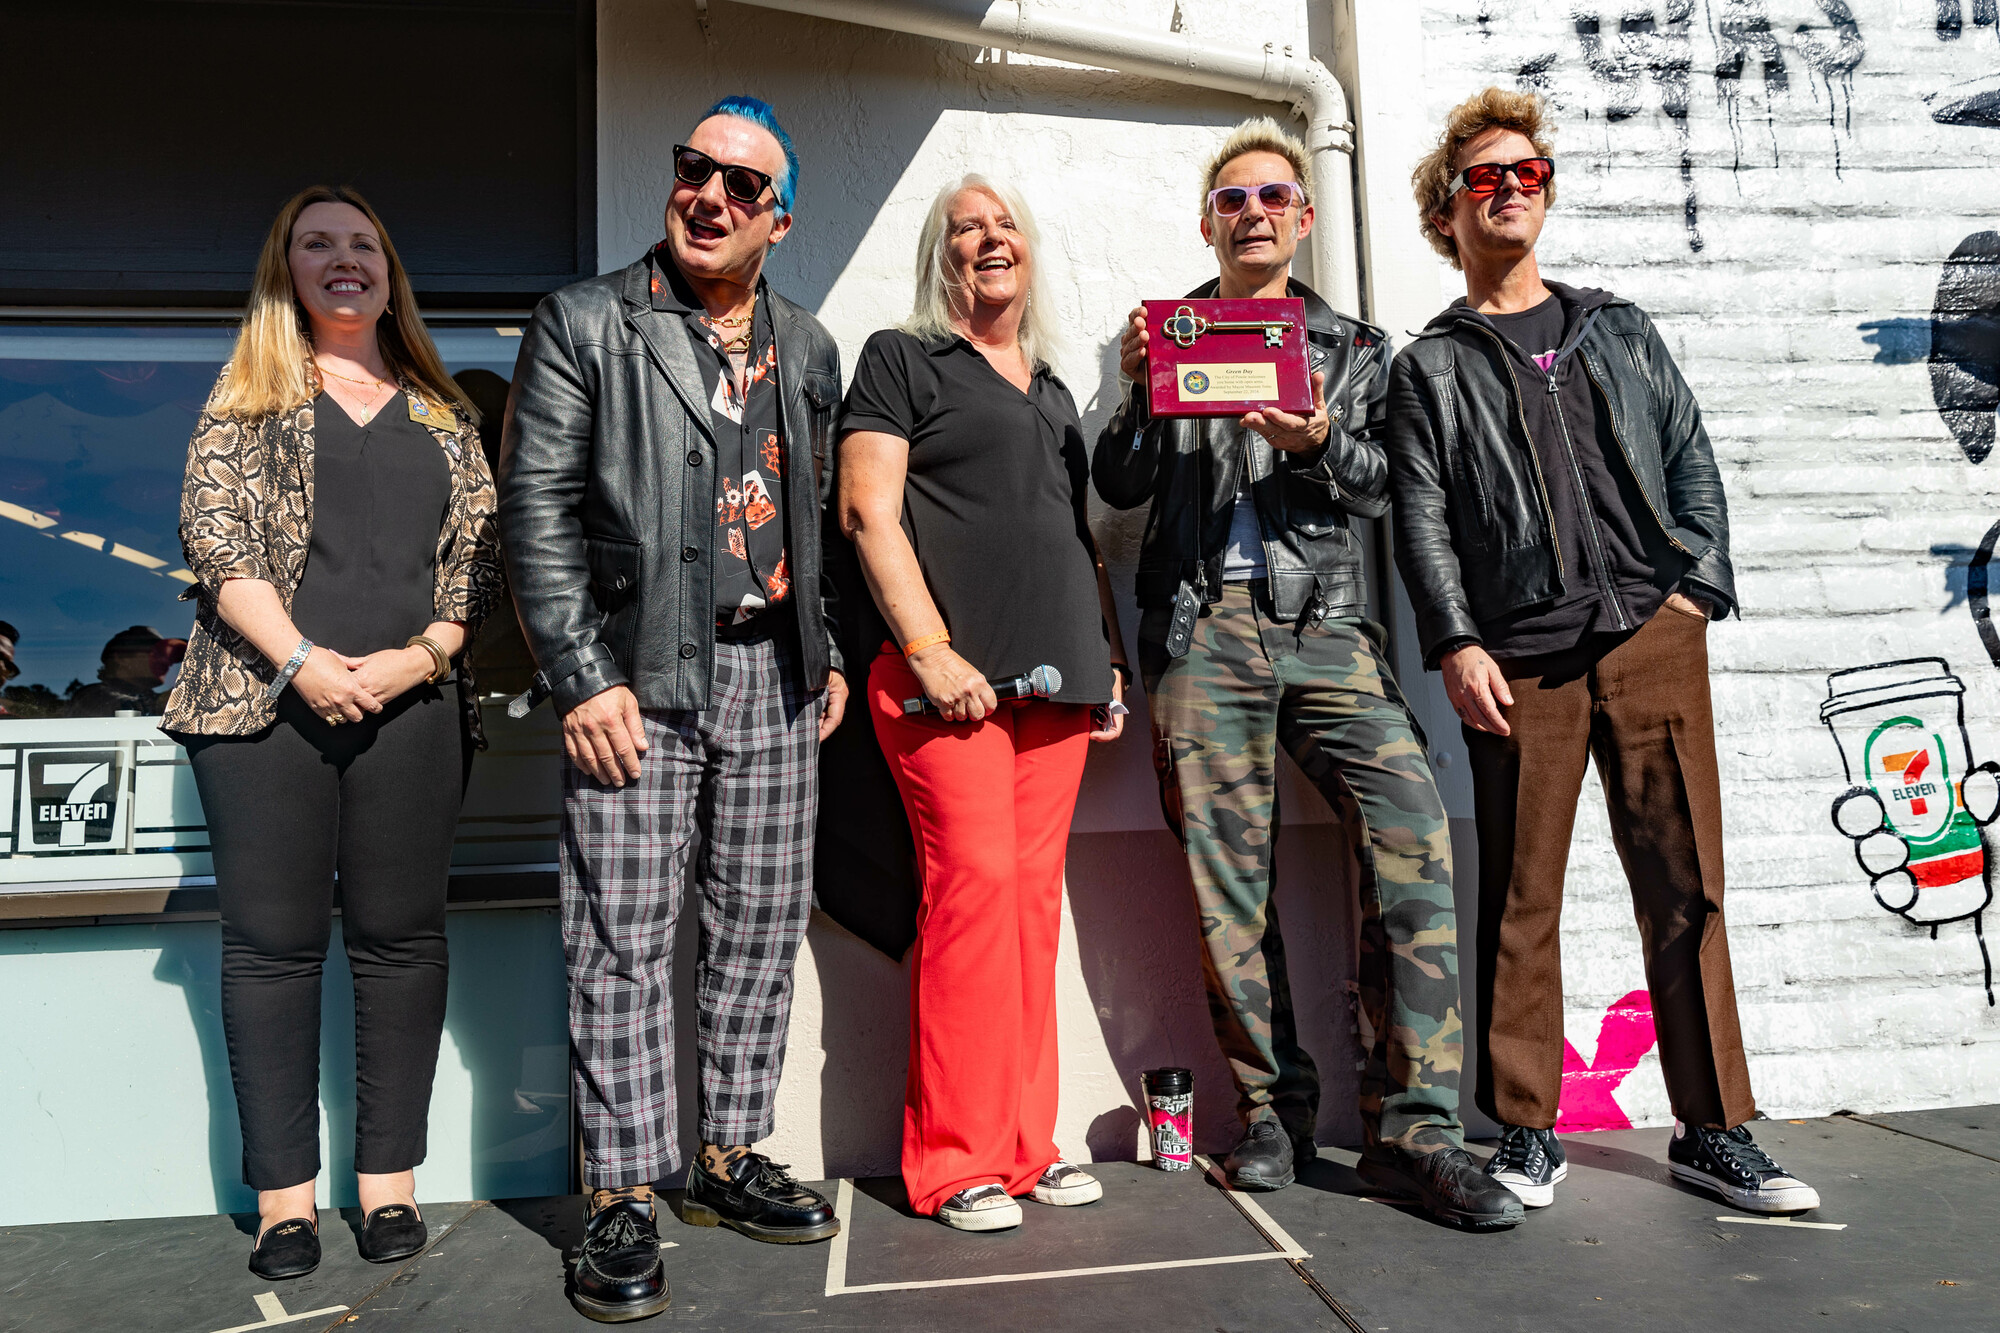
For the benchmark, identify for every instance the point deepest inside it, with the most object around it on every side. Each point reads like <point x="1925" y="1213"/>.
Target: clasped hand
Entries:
<point x="336" y="685"/>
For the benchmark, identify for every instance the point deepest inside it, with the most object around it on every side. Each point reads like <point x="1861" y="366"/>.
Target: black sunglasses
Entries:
<point x="746" y="185"/>
<point x="1484" y="178"/>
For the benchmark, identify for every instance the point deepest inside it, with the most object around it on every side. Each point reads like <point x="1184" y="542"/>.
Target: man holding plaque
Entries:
<point x="1562" y="529"/>
<point x="1254" y="635"/>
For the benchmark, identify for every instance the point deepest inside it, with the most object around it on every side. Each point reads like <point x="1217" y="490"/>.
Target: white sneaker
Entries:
<point x="980" y="1208"/>
<point x="1066" y="1186"/>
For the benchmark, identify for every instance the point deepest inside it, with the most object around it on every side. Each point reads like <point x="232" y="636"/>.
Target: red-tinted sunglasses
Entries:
<point x="1483" y="178"/>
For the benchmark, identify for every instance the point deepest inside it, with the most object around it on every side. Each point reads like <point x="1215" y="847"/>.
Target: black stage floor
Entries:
<point x="1908" y="1238"/>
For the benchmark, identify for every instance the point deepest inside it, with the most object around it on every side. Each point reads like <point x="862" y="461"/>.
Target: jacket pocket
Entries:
<point x="822" y="395"/>
<point x="614" y="586"/>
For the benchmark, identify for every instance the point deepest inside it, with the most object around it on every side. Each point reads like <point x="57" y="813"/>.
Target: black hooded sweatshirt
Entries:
<point x="1618" y="565"/>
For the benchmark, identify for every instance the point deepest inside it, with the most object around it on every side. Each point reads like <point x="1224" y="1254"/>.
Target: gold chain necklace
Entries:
<point x="367" y="411"/>
<point x="739" y="342"/>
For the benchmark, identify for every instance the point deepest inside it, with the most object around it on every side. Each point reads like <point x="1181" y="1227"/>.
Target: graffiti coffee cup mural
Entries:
<point x="1916" y="803"/>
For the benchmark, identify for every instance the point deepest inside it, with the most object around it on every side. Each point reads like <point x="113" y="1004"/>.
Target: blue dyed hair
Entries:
<point x="760" y="113"/>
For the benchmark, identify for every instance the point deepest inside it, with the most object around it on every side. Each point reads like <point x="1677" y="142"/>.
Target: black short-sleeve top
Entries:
<point x="994" y="504"/>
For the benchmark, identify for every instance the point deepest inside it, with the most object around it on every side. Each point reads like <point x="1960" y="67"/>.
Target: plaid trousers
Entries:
<point x="742" y="772"/>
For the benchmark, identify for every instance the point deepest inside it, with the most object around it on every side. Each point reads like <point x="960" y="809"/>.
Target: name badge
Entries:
<point x="440" y="416"/>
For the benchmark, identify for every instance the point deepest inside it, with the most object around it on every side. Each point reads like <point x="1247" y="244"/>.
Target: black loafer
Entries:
<point x="1452" y="1186"/>
<point x="1262" y="1159"/>
<point x="289" y="1249"/>
<point x="618" y="1275"/>
<point x="393" y="1231"/>
<point x="759" y="1199"/>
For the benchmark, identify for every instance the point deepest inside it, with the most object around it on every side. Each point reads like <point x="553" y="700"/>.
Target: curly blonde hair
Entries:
<point x="1491" y="109"/>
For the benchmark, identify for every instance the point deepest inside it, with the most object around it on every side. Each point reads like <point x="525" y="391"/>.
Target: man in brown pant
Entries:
<point x="1562" y="529"/>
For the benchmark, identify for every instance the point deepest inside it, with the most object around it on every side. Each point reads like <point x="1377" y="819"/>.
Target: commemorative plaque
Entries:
<point x="1215" y="358"/>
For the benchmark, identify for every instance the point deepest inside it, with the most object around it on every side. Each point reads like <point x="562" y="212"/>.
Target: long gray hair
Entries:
<point x="931" y="316"/>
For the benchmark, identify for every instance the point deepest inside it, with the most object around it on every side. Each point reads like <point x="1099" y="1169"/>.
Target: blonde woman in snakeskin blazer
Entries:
<point x="338" y="519"/>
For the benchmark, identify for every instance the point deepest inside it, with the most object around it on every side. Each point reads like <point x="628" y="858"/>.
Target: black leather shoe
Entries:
<point x="618" y="1275"/>
<point x="1450" y="1183"/>
<point x="289" y="1249"/>
<point x="759" y="1199"/>
<point x="393" y="1231"/>
<point x="1262" y="1160"/>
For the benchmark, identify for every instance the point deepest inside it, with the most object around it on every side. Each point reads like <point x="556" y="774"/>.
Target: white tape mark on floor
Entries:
<point x="274" y="1314"/>
<point x="1782" y="1222"/>
<point x="1060" y="1272"/>
<point x="1263" y="1221"/>
<point x="843" y="1208"/>
<point x="836" y="1255"/>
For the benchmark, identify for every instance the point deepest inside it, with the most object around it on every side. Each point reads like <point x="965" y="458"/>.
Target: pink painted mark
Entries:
<point x="1623" y="1039"/>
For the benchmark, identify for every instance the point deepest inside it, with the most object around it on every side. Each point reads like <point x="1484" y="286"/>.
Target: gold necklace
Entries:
<point x="367" y="412"/>
<point x="375" y="384"/>
<point x="738" y="342"/>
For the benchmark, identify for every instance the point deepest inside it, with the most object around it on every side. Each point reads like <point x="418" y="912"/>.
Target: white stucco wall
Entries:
<point x="1802" y="324"/>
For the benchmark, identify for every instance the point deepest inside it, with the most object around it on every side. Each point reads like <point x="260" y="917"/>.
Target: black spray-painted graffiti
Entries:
<point x="1651" y="44"/>
<point x="1916" y="806"/>
<point x="1965" y="343"/>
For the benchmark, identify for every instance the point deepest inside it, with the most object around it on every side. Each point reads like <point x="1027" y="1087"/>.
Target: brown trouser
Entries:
<point x="1639" y="705"/>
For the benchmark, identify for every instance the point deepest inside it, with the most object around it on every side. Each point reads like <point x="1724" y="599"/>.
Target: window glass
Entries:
<point x="94" y="428"/>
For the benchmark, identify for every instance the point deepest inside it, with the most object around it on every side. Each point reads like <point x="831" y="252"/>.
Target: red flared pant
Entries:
<point x="990" y="804"/>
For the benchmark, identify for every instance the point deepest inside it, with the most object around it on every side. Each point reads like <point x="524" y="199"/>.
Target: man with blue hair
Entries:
<point x="659" y="492"/>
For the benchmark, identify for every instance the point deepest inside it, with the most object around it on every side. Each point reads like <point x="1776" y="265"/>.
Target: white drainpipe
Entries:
<point x="1272" y="74"/>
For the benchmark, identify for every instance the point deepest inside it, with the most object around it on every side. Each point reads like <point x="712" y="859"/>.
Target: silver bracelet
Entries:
<point x="291" y="668"/>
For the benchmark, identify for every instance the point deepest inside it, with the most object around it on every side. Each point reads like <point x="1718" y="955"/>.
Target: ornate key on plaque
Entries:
<point x="1185" y="327"/>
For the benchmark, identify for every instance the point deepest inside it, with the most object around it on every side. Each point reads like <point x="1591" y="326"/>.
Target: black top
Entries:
<point x="995" y="505"/>
<point x="1618" y="566"/>
<point x="750" y="568"/>
<point x="380" y="493"/>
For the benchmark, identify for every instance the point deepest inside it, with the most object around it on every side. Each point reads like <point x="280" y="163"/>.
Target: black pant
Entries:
<point x="377" y="800"/>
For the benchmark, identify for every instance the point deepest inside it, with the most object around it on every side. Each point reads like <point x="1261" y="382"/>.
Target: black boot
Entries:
<point x="1262" y="1159"/>
<point x="759" y="1198"/>
<point x="1449" y="1182"/>
<point x="618" y="1274"/>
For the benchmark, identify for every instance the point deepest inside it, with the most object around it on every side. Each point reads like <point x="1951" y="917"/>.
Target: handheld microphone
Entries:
<point x="1041" y="683"/>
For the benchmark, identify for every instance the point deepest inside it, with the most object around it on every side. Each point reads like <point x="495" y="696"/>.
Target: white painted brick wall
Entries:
<point x="1842" y="479"/>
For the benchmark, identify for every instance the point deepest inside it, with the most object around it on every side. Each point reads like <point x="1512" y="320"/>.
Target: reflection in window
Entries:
<point x="94" y="427"/>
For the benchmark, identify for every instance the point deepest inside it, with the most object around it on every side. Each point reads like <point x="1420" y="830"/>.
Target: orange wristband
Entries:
<point x="923" y="641"/>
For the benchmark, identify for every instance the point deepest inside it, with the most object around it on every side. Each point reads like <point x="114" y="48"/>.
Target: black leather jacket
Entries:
<point x="1187" y="467"/>
<point x="1473" y="535"/>
<point x="607" y="493"/>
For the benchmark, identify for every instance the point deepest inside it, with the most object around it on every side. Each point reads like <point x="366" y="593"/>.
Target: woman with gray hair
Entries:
<point x="962" y="484"/>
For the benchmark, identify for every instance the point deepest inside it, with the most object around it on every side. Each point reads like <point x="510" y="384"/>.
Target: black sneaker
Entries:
<point x="1529" y="1162"/>
<point x="760" y="1199"/>
<point x="1728" y="1163"/>
<point x="618" y="1275"/>
<point x="1449" y="1182"/>
<point x="1262" y="1159"/>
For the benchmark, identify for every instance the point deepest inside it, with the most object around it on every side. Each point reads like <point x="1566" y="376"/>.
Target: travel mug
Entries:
<point x="1170" y="1117"/>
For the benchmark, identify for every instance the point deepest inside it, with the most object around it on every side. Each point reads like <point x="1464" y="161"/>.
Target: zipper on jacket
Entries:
<point x="1520" y="414"/>
<point x="1665" y="531"/>
<point x="1587" y="513"/>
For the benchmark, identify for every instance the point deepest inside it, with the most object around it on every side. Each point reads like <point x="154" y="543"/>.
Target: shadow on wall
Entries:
<point x="1139" y="939"/>
<point x="864" y="1042"/>
<point x="506" y="1015"/>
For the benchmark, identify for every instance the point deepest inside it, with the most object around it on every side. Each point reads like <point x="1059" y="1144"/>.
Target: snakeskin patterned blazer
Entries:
<point x="247" y="513"/>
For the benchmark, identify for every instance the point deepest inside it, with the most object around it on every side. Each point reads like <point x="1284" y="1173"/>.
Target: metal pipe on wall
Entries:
<point x="1272" y="74"/>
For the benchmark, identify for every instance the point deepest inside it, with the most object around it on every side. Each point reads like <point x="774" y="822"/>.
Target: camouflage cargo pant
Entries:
<point x="1248" y="684"/>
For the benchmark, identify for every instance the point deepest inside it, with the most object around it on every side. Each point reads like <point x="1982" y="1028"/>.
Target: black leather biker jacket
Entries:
<point x="607" y="493"/>
<point x="1187" y="467"/>
<point x="1474" y="539"/>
